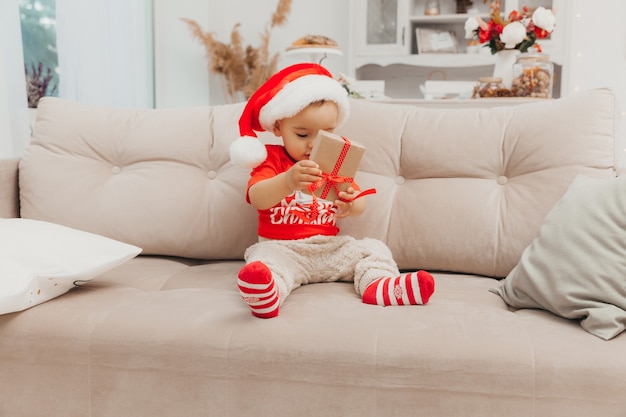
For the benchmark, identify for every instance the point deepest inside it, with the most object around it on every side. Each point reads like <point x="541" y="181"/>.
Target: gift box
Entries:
<point x="338" y="159"/>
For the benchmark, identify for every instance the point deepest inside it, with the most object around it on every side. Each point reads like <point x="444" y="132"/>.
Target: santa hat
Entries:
<point x="283" y="95"/>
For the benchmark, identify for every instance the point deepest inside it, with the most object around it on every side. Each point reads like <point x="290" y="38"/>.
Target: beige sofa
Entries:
<point x="461" y="192"/>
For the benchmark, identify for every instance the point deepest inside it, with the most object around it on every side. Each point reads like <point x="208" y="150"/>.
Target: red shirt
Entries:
<point x="288" y="219"/>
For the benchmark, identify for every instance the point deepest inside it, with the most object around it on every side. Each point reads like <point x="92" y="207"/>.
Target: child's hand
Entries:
<point x="302" y="174"/>
<point x="349" y="207"/>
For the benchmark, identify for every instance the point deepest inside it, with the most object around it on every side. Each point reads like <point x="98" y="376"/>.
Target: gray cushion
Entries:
<point x="576" y="267"/>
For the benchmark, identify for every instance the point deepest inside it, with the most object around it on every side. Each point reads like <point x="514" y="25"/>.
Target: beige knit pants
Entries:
<point x="323" y="259"/>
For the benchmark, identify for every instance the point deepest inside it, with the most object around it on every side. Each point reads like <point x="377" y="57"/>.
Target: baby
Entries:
<point x="295" y="247"/>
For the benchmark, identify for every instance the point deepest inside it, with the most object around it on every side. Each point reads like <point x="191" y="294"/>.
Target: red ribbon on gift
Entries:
<point x="333" y="180"/>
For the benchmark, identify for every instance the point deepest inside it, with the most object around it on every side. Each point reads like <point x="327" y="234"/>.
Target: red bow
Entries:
<point x="332" y="180"/>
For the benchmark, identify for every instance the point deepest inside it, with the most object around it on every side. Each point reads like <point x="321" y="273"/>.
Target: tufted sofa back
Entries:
<point x="462" y="190"/>
<point x="466" y="190"/>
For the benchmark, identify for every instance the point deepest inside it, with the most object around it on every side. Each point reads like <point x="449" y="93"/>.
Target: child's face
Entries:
<point x="300" y="131"/>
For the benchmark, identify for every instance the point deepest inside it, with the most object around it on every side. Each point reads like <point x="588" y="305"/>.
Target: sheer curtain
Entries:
<point x="105" y="52"/>
<point x="14" y="116"/>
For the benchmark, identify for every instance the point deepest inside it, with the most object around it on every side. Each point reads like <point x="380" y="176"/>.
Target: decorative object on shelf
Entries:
<point x="463" y="5"/>
<point x="490" y="87"/>
<point x="503" y="67"/>
<point x="244" y="69"/>
<point x="506" y="38"/>
<point x="317" y="46"/>
<point x="349" y="84"/>
<point x="432" y="8"/>
<point x="533" y="76"/>
<point x="519" y="31"/>
<point x="435" y="41"/>
<point x="446" y="90"/>
<point x="313" y="41"/>
<point x="367" y="89"/>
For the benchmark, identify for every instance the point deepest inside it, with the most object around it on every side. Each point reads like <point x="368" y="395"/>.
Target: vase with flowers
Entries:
<point x="506" y="38"/>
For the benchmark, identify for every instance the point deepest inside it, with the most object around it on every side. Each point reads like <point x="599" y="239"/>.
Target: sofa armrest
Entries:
<point x="9" y="191"/>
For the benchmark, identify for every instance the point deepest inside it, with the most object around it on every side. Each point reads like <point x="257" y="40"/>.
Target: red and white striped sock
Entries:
<point x="408" y="289"/>
<point x="258" y="290"/>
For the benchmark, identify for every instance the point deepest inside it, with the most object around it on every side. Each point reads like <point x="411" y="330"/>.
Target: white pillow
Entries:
<point x="576" y="266"/>
<point x="40" y="260"/>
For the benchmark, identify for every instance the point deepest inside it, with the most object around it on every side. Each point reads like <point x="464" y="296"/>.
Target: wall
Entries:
<point x="181" y="72"/>
<point x="180" y="66"/>
<point x="596" y="49"/>
<point x="597" y="53"/>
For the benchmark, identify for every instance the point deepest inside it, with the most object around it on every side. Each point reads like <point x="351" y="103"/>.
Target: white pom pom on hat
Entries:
<point x="283" y="95"/>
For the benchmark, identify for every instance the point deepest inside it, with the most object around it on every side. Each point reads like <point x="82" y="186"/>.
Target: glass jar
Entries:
<point x="490" y="87"/>
<point x="432" y="8"/>
<point x="533" y="76"/>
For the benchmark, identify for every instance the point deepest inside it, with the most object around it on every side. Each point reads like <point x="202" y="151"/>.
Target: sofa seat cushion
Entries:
<point x="170" y="336"/>
<point x="576" y="373"/>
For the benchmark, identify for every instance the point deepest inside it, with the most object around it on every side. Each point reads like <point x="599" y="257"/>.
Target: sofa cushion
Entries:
<point x="165" y="336"/>
<point x="466" y="190"/>
<point x="462" y="190"/>
<point x="158" y="179"/>
<point x="40" y="261"/>
<point x="576" y="267"/>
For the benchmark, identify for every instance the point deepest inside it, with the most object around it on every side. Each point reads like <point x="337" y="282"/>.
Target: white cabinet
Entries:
<point x="379" y="27"/>
<point x="384" y="42"/>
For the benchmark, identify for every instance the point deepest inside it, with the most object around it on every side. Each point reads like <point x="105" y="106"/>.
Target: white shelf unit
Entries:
<point x="384" y="42"/>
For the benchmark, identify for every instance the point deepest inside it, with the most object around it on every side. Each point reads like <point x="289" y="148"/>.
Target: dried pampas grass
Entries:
<point x="244" y="69"/>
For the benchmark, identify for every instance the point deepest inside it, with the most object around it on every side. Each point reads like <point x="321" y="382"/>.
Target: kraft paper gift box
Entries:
<point x="336" y="158"/>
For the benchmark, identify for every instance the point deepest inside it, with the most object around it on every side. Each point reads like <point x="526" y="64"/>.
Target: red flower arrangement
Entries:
<point x="519" y="31"/>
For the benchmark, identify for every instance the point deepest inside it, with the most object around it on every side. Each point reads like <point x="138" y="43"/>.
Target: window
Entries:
<point x="41" y="64"/>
